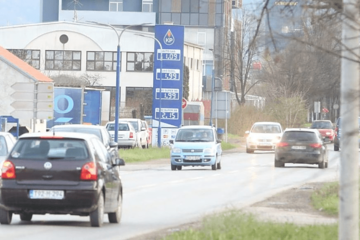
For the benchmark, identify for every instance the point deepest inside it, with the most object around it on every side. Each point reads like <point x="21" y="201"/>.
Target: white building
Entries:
<point x="76" y="49"/>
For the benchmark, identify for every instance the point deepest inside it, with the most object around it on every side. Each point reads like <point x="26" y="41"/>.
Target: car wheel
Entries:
<point x="326" y="165"/>
<point x="173" y="167"/>
<point x="322" y="165"/>
<point x="249" y="150"/>
<point x="115" y="217"/>
<point x="179" y="167"/>
<point x="97" y="216"/>
<point x="213" y="167"/>
<point x="336" y="147"/>
<point x="26" y="216"/>
<point x="219" y="165"/>
<point x="279" y="164"/>
<point x="5" y="216"/>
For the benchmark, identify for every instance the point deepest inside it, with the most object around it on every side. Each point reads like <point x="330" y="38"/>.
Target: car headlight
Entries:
<point x="209" y="151"/>
<point x="176" y="150"/>
<point x="252" y="140"/>
<point x="276" y="139"/>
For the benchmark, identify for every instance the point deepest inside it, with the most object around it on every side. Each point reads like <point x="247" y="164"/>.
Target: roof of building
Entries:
<point x="22" y="66"/>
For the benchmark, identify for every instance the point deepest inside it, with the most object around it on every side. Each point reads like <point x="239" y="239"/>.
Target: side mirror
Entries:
<point x="143" y="129"/>
<point x="247" y="133"/>
<point x="113" y="144"/>
<point x="218" y="141"/>
<point x="119" y="162"/>
<point x="171" y="141"/>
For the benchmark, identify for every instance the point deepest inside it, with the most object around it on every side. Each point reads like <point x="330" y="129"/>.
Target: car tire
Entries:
<point x="278" y="164"/>
<point x="219" y="165"/>
<point x="115" y="217"/>
<point x="5" y="216"/>
<point x="97" y="216"/>
<point x="249" y="150"/>
<point x="173" y="167"/>
<point x="179" y="167"/>
<point x="336" y="147"/>
<point x="26" y="217"/>
<point x="322" y="165"/>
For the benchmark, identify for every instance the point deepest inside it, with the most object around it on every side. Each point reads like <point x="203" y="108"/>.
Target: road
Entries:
<point x="157" y="198"/>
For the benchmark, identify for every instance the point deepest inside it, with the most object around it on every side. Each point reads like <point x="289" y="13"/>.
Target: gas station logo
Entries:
<point x="169" y="38"/>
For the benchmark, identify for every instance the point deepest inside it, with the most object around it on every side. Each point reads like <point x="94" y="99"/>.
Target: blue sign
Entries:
<point x="168" y="75"/>
<point x="92" y="107"/>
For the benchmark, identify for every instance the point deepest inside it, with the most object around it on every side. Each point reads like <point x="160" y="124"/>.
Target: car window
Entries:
<point x="94" y="131"/>
<point x="194" y="135"/>
<point x="299" y="136"/>
<point x="101" y="152"/>
<point x="3" y="146"/>
<point x="135" y="125"/>
<point x="121" y="127"/>
<point x="70" y="149"/>
<point x="321" y="125"/>
<point x="266" y="128"/>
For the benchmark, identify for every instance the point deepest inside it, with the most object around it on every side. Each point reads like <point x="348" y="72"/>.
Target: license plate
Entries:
<point x="46" y="194"/>
<point x="298" y="147"/>
<point x="192" y="158"/>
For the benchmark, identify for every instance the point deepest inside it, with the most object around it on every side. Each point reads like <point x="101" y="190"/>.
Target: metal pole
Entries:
<point x="212" y="86"/>
<point x="349" y="168"/>
<point x="117" y="95"/>
<point x="161" y="61"/>
<point x="226" y="117"/>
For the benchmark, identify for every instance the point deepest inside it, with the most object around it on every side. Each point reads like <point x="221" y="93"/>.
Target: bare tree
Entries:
<point x="85" y="80"/>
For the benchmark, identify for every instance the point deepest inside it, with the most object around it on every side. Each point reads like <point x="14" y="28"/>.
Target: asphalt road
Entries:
<point x="157" y="198"/>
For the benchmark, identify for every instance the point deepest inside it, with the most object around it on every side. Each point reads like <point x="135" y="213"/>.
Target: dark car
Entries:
<point x="100" y="131"/>
<point x="301" y="145"/>
<point x="338" y="134"/>
<point x="325" y="127"/>
<point x="61" y="173"/>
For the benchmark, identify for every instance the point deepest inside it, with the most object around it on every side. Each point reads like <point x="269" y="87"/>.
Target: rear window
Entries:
<point x="299" y="136"/>
<point x="93" y="131"/>
<point x="266" y="128"/>
<point x="70" y="149"/>
<point x="321" y="125"/>
<point x="121" y="127"/>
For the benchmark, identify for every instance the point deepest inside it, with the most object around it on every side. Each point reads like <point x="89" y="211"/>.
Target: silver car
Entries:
<point x="126" y="134"/>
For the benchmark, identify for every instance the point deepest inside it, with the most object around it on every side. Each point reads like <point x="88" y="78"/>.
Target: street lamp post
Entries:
<point x="212" y="85"/>
<point x="117" y="100"/>
<point x="161" y="63"/>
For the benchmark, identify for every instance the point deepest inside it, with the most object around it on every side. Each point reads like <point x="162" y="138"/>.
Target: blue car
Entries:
<point x="338" y="134"/>
<point x="196" y="146"/>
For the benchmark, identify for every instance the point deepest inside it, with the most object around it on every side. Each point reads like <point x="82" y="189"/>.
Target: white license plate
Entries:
<point x="46" y="194"/>
<point x="192" y="158"/>
<point x="298" y="147"/>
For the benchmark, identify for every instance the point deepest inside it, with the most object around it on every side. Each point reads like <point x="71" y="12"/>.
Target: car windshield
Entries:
<point x="321" y="125"/>
<point x="194" y="135"/>
<point x="266" y="128"/>
<point x="36" y="148"/>
<point x="3" y="148"/>
<point x="299" y="136"/>
<point x="121" y="127"/>
<point x="93" y="131"/>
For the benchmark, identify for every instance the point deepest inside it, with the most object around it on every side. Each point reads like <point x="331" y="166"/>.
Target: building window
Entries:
<point x="139" y="62"/>
<point x="32" y="57"/>
<point x="101" y="61"/>
<point x="147" y="6"/>
<point x="62" y="60"/>
<point x="116" y="5"/>
<point x="137" y="96"/>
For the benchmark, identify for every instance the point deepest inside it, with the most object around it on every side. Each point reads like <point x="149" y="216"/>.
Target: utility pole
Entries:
<point x="349" y="168"/>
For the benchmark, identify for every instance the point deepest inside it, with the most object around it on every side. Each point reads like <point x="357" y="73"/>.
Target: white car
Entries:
<point x="7" y="141"/>
<point x="141" y="139"/>
<point x="126" y="134"/>
<point x="263" y="136"/>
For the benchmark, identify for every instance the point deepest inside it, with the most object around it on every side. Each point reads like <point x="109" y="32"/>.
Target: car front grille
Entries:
<point x="192" y="150"/>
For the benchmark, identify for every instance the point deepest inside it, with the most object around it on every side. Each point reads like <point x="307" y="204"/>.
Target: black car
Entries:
<point x="301" y="145"/>
<point x="100" y="131"/>
<point x="61" y="173"/>
<point x="338" y="134"/>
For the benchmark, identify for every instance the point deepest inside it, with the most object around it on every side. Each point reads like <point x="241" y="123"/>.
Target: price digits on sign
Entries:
<point x="167" y="115"/>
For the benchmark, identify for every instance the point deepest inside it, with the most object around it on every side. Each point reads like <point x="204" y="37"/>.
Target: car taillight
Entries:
<point x="282" y="144"/>
<point x="315" y="145"/>
<point x="131" y="135"/>
<point x="8" y="170"/>
<point x="336" y="130"/>
<point x="88" y="171"/>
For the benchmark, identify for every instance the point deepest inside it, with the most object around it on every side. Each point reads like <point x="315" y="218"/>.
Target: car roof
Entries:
<point x="322" y="121"/>
<point x="71" y="135"/>
<point x="196" y="126"/>
<point x="267" y="123"/>
<point x="5" y="133"/>
<point x="118" y="122"/>
<point x="301" y="130"/>
<point x="78" y="126"/>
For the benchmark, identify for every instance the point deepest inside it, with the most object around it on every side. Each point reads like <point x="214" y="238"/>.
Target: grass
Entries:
<point x="327" y="198"/>
<point x="237" y="225"/>
<point x="227" y="146"/>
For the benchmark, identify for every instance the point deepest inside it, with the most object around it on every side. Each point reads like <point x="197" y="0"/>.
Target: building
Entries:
<point x="66" y="50"/>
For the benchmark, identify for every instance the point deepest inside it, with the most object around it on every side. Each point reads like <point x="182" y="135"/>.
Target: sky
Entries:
<point x="18" y="12"/>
